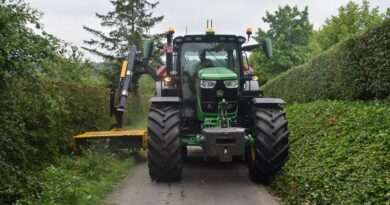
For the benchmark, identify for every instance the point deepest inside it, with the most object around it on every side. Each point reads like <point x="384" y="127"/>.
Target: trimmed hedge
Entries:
<point x="38" y="120"/>
<point x="339" y="154"/>
<point x="356" y="69"/>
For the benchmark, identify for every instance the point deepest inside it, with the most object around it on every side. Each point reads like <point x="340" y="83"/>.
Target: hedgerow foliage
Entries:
<point x="37" y="122"/>
<point x="358" y="68"/>
<point x="27" y="53"/>
<point x="339" y="155"/>
<point x="41" y="106"/>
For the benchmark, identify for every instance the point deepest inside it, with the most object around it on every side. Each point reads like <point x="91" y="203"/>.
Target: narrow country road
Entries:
<point x="202" y="183"/>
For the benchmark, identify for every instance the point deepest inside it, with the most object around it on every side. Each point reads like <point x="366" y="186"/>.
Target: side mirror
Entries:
<point x="148" y="49"/>
<point x="267" y="47"/>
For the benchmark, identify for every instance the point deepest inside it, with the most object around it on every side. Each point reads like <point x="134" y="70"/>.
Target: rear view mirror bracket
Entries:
<point x="266" y="45"/>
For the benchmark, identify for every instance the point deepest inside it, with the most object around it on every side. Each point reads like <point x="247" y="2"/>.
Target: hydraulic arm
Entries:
<point x="132" y="68"/>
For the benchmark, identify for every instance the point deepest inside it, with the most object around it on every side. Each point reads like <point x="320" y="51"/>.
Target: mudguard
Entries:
<point x="163" y="89"/>
<point x="267" y="101"/>
<point x="165" y="100"/>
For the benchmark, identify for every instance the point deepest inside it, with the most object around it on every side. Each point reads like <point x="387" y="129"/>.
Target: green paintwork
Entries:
<point x="217" y="73"/>
<point x="251" y="140"/>
<point x="267" y="47"/>
<point x="146" y="45"/>
<point x="199" y="113"/>
<point x="194" y="140"/>
<point x="210" y="120"/>
<point x="203" y="115"/>
<point x="191" y="140"/>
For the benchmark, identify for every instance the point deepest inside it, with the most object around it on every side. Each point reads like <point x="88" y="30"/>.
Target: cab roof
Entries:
<point x="209" y="38"/>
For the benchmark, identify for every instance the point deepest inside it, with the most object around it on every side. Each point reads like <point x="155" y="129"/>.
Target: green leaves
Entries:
<point x="290" y="31"/>
<point x="28" y="53"/>
<point x="75" y="179"/>
<point x="357" y="68"/>
<point x="38" y="120"/>
<point x="128" y="24"/>
<point x="40" y="109"/>
<point x="339" y="155"/>
<point x="295" y="41"/>
<point x="350" y="20"/>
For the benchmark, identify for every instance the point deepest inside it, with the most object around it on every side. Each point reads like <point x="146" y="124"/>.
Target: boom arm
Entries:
<point x="136" y="66"/>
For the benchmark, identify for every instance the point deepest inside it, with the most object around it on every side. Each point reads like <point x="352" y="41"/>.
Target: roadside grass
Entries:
<point x="339" y="154"/>
<point x="77" y="179"/>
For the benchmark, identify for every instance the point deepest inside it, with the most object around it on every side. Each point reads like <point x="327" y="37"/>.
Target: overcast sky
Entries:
<point x="65" y="18"/>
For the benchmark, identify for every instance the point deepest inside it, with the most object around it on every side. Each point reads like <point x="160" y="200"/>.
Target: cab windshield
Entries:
<point x="200" y="55"/>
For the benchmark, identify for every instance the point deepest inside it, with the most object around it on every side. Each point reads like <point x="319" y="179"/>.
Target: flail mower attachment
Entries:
<point x="117" y="137"/>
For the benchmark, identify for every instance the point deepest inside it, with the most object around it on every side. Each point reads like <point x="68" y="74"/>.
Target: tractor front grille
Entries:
<point x="210" y="100"/>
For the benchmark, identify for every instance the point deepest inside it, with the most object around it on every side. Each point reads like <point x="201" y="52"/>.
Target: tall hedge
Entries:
<point x="358" y="68"/>
<point x="37" y="121"/>
<point x="340" y="155"/>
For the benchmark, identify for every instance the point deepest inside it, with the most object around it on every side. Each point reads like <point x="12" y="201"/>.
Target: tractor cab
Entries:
<point x="207" y="64"/>
<point x="196" y="52"/>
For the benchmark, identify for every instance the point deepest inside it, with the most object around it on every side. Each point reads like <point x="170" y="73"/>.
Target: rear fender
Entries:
<point x="163" y="89"/>
<point x="267" y="102"/>
<point x="172" y="100"/>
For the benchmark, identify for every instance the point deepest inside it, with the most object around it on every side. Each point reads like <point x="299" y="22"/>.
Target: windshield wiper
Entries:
<point x="221" y="62"/>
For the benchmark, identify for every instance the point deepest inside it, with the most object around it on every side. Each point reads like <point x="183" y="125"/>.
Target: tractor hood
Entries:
<point x="217" y="73"/>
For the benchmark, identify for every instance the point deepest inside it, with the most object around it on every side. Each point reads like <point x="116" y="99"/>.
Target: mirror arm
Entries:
<point x="251" y="47"/>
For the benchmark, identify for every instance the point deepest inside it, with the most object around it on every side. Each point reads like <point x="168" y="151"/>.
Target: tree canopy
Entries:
<point x="295" y="41"/>
<point x="290" y="32"/>
<point x="128" y="24"/>
<point x="351" y="19"/>
<point x="26" y="52"/>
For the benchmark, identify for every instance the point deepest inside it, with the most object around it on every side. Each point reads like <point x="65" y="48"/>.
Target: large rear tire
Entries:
<point x="164" y="145"/>
<point x="270" y="151"/>
<point x="184" y="152"/>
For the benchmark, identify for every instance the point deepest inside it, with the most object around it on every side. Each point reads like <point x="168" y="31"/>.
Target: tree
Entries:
<point x="290" y="32"/>
<point x="27" y="53"/>
<point x="128" y="23"/>
<point x="29" y="103"/>
<point x="350" y="20"/>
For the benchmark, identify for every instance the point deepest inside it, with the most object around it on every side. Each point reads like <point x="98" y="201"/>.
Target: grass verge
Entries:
<point x="339" y="154"/>
<point x="77" y="179"/>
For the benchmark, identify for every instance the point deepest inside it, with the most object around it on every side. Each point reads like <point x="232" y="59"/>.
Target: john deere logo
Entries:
<point x="220" y="93"/>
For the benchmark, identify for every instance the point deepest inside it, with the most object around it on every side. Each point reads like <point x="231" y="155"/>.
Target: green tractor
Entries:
<point x="208" y="100"/>
<point x="203" y="98"/>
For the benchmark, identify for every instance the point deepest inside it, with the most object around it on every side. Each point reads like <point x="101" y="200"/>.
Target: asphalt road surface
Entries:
<point x="202" y="183"/>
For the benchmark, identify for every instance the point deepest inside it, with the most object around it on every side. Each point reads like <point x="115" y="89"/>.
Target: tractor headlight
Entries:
<point x="208" y="84"/>
<point x="231" y="83"/>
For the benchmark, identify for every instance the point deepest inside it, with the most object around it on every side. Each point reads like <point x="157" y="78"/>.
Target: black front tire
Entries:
<point x="271" y="143"/>
<point x="184" y="152"/>
<point x="164" y="145"/>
